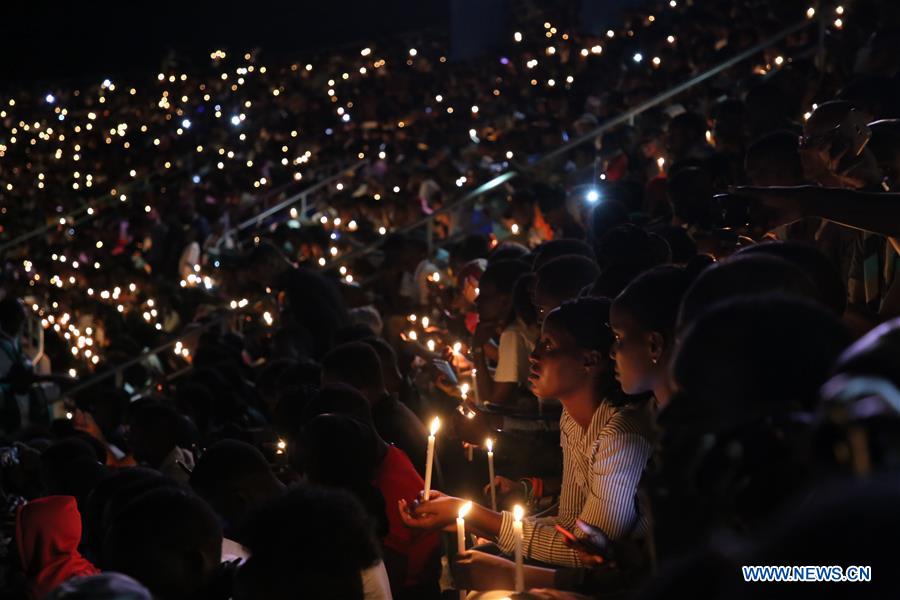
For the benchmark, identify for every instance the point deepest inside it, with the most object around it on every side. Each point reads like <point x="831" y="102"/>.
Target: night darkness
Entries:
<point x="60" y="42"/>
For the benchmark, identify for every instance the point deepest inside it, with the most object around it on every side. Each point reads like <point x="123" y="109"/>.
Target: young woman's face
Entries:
<point x="631" y="352"/>
<point x="558" y="365"/>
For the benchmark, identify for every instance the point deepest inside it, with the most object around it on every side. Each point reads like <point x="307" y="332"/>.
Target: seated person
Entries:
<point x="169" y="540"/>
<point x="48" y="532"/>
<point x="412" y="557"/>
<point x="357" y="365"/>
<point x="606" y="443"/>
<point x="314" y="540"/>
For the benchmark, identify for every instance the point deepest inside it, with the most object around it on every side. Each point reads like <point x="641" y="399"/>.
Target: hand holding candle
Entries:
<point x="429" y="457"/>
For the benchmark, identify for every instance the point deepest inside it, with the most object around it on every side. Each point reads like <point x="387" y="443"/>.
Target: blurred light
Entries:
<point x="592" y="196"/>
<point x="49" y="98"/>
<point x="638" y="57"/>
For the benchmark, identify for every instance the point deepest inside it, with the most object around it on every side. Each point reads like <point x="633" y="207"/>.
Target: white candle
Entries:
<point x="475" y="384"/>
<point x="490" y="452"/>
<point x="518" y="513"/>
<point x="461" y="535"/>
<point x="429" y="457"/>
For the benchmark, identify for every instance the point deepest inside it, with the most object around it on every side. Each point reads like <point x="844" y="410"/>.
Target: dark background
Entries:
<point x="68" y="42"/>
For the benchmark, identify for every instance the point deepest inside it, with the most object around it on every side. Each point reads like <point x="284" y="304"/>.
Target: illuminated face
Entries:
<point x="634" y="366"/>
<point x="558" y="365"/>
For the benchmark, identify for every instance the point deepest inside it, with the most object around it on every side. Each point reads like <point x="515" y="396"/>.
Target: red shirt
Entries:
<point x="397" y="478"/>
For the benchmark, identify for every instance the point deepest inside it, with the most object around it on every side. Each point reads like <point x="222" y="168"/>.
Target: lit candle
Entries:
<point x="514" y="229"/>
<point x="475" y="385"/>
<point x="661" y="163"/>
<point x="430" y="345"/>
<point x="518" y="513"/>
<point x="490" y="452"/>
<point x="425" y="322"/>
<point x="457" y="347"/>
<point x="413" y="335"/>
<point x="461" y="535"/>
<point x="429" y="457"/>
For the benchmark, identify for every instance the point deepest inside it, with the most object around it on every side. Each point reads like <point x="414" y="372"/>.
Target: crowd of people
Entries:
<point x="254" y="345"/>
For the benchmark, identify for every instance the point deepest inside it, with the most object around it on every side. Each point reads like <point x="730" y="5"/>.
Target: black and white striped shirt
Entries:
<point x="602" y="466"/>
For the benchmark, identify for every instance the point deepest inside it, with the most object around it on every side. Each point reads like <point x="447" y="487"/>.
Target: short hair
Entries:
<point x="630" y="245"/>
<point x="506" y="251"/>
<point x="743" y="276"/>
<point x="653" y="298"/>
<point x="503" y="274"/>
<point x="224" y="466"/>
<point x="823" y="273"/>
<point x="356" y="364"/>
<point x="353" y="332"/>
<point x="566" y="276"/>
<point x="341" y="399"/>
<point x="385" y="351"/>
<point x="157" y="538"/>
<point x="367" y="315"/>
<point x="556" y="248"/>
<point x="587" y="321"/>
<point x="286" y="550"/>
<point x="752" y="357"/>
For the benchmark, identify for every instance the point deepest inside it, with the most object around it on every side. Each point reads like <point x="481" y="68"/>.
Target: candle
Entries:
<point x="413" y="335"/>
<point x="461" y="535"/>
<point x="430" y="345"/>
<point x="429" y="457"/>
<point x="457" y="347"/>
<point x="475" y="385"/>
<point x="661" y="163"/>
<point x="425" y="322"/>
<point x="490" y="452"/>
<point x="281" y="447"/>
<point x="518" y="513"/>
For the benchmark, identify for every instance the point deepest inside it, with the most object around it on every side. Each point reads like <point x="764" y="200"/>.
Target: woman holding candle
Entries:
<point x="606" y="443"/>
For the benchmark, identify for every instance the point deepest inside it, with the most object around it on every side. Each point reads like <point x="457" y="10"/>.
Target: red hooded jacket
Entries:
<point x="48" y="531"/>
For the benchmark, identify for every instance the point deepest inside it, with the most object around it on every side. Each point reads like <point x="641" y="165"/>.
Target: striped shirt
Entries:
<point x="602" y="467"/>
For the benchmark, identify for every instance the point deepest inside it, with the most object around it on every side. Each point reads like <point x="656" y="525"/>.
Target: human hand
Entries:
<point x="474" y="570"/>
<point x="437" y="513"/>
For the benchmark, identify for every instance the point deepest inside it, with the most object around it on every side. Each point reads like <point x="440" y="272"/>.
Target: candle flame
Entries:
<point x="518" y="512"/>
<point x="490" y="444"/>
<point x="435" y="425"/>
<point x="457" y="347"/>
<point x="464" y="509"/>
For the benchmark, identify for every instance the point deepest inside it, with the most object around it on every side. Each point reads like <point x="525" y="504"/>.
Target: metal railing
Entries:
<point x="625" y="117"/>
<point x="301" y="197"/>
<point x="467" y="198"/>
